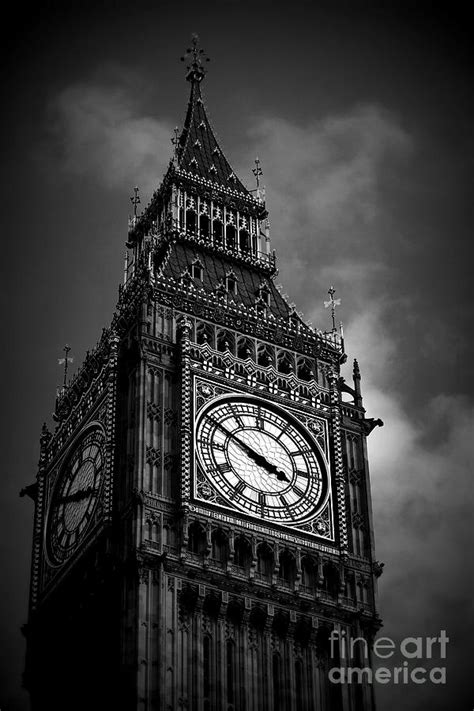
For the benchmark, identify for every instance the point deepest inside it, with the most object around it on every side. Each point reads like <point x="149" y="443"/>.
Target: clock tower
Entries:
<point x="202" y="533"/>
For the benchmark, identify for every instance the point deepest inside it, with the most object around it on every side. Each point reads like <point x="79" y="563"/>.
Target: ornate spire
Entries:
<point x="195" y="57"/>
<point x="197" y="151"/>
<point x="65" y="361"/>
<point x="135" y="200"/>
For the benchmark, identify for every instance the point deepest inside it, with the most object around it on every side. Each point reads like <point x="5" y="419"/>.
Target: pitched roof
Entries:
<point x="198" y="150"/>
<point x="215" y="269"/>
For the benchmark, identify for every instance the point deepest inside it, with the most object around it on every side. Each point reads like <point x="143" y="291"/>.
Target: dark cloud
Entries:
<point x="363" y="123"/>
<point x="103" y="135"/>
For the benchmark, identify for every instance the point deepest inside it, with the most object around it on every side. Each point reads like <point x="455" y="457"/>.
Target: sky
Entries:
<point x="362" y="118"/>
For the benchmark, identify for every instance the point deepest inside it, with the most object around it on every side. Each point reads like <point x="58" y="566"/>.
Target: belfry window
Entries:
<point x="230" y="236"/>
<point x="204" y="225"/>
<point x="244" y="241"/>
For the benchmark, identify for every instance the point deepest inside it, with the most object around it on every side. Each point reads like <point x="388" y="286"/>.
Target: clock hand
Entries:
<point x="259" y="459"/>
<point x="78" y="495"/>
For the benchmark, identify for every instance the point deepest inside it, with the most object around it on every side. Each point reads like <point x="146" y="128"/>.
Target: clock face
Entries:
<point x="260" y="459"/>
<point x="76" y="495"/>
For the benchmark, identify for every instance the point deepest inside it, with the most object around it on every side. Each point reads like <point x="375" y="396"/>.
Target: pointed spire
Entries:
<point x="197" y="151"/>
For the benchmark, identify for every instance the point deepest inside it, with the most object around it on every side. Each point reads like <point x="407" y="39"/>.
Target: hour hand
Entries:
<point x="78" y="495"/>
<point x="260" y="460"/>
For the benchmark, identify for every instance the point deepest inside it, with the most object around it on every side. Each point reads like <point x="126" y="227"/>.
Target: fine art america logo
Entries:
<point x="352" y="659"/>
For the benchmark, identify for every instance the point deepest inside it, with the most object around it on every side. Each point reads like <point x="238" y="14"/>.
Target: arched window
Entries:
<point x="217" y="231"/>
<point x="244" y="241"/>
<point x="225" y="341"/>
<point x="245" y="348"/>
<point x="196" y="538"/>
<point x="265" y="561"/>
<point x="264" y="355"/>
<point x="231" y="282"/>
<point x="220" y="546"/>
<point x="204" y="333"/>
<point x="304" y="369"/>
<point x="230" y="236"/>
<point x="242" y="553"/>
<point x="331" y="579"/>
<point x="204" y="226"/>
<point x="308" y="573"/>
<point x="197" y="269"/>
<point x="285" y="362"/>
<point x="287" y="572"/>
<point x="190" y="220"/>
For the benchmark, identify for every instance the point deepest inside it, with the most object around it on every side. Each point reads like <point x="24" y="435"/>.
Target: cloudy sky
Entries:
<point x="362" y="119"/>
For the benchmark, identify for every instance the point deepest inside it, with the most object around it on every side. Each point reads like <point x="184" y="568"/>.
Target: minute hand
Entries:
<point x="259" y="459"/>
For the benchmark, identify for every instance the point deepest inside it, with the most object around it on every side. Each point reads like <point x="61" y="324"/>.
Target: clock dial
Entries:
<point x="261" y="459"/>
<point x="76" y="495"/>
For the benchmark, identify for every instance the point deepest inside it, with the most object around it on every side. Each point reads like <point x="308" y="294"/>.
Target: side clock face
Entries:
<point x="261" y="459"/>
<point x="76" y="495"/>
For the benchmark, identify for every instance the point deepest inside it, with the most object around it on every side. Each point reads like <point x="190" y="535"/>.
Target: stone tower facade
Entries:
<point x="202" y="530"/>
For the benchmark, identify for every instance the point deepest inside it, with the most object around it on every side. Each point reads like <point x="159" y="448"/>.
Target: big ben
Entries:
<point x="202" y="507"/>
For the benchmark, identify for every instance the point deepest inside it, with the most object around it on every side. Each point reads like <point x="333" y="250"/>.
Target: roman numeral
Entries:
<point x="284" y="431"/>
<point x="299" y="452"/>
<point x="260" y="423"/>
<point x="300" y="472"/>
<point x="299" y="492"/>
<point x="240" y="487"/>
<point x="236" y="416"/>
<point x="224" y="467"/>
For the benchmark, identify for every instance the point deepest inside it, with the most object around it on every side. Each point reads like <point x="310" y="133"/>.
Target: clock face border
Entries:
<point x="320" y="520"/>
<point x="80" y="505"/>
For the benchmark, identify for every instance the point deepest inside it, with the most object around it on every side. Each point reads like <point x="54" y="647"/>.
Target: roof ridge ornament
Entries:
<point x="195" y="57"/>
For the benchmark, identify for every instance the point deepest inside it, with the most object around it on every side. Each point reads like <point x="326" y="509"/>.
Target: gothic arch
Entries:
<point x="197" y="540"/>
<point x="265" y="561"/>
<point x="287" y="567"/>
<point x="242" y="553"/>
<point x="219" y="546"/>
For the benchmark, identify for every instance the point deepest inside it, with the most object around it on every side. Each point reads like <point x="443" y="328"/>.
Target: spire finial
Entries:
<point x="332" y="302"/>
<point x="258" y="172"/>
<point x="65" y="361"/>
<point x="175" y="141"/>
<point x="195" y="57"/>
<point x="135" y="200"/>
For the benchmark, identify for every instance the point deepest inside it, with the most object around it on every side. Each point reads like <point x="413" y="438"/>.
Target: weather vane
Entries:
<point x="332" y="302"/>
<point x="135" y="200"/>
<point x="195" y="57"/>
<point x="65" y="361"/>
